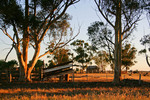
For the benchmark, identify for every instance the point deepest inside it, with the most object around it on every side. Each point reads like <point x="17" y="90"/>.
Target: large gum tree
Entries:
<point x="30" y="21"/>
<point x="122" y="16"/>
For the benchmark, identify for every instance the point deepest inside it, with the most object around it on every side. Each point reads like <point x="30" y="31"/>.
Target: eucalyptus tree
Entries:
<point x="128" y="56"/>
<point x="122" y="16"/>
<point x="83" y="52"/>
<point x="30" y="21"/>
<point x="38" y="64"/>
<point x="103" y="38"/>
<point x="8" y="65"/>
<point x="101" y="59"/>
<point x="60" y="56"/>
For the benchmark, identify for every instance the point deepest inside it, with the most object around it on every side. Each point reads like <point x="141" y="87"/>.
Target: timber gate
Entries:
<point x="61" y="70"/>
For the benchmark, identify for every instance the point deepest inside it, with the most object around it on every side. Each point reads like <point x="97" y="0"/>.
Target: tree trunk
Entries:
<point x="118" y="41"/>
<point x="33" y="61"/>
<point x="24" y="56"/>
<point x="21" y="63"/>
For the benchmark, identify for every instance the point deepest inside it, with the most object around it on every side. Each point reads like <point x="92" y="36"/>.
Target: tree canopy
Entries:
<point x="128" y="56"/>
<point x="83" y="53"/>
<point x="6" y="65"/>
<point x="60" y="56"/>
<point x="101" y="59"/>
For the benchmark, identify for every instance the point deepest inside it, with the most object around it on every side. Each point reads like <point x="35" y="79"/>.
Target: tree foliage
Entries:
<point x="83" y="52"/>
<point x="59" y="56"/>
<point x="102" y="38"/>
<point x="8" y="65"/>
<point x="128" y="56"/>
<point x="146" y="7"/>
<point x="38" y="64"/>
<point x="101" y="59"/>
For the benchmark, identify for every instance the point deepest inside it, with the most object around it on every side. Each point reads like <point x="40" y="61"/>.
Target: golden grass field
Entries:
<point x="85" y="87"/>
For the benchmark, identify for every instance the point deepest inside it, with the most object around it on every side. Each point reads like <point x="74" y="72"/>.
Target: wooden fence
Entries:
<point x="12" y="75"/>
<point x="61" y="71"/>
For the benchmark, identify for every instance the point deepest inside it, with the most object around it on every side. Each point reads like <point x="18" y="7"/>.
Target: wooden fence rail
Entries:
<point x="62" y="71"/>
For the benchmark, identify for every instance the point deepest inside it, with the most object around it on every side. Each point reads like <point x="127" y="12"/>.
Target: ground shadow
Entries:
<point x="47" y="85"/>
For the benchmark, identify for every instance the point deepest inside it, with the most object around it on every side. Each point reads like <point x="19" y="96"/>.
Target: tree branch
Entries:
<point x="10" y="49"/>
<point x="5" y="32"/>
<point x="48" y="52"/>
<point x="67" y="4"/>
<point x="98" y="6"/>
<point x="109" y="40"/>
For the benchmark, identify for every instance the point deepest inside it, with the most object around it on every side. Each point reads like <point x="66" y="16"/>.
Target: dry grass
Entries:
<point x="103" y="89"/>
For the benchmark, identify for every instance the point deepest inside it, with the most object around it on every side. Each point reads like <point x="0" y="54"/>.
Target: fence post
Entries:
<point x="139" y="79"/>
<point x="72" y="73"/>
<point x="124" y="76"/>
<point x="60" y="78"/>
<point x="67" y="77"/>
<point x="9" y="75"/>
<point x="41" y="71"/>
<point x="87" y="77"/>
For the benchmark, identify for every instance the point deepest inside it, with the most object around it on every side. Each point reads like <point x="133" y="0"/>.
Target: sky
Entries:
<point x="83" y="14"/>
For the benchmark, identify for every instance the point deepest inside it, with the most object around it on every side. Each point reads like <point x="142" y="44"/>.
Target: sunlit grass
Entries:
<point x="97" y="93"/>
<point x="76" y="91"/>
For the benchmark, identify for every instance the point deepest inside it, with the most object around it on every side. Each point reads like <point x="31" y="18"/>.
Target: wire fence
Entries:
<point x="96" y="77"/>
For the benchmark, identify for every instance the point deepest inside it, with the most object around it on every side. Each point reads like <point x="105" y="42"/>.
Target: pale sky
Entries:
<point x="83" y="14"/>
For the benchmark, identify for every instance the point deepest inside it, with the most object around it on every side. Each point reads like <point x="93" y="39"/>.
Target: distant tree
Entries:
<point x="2" y="64"/>
<point x="102" y="38"/>
<point x="59" y="56"/>
<point x="8" y="65"/>
<point x="38" y="65"/>
<point x="145" y="41"/>
<point x="12" y="63"/>
<point x="101" y="59"/>
<point x="128" y="56"/>
<point x="83" y="53"/>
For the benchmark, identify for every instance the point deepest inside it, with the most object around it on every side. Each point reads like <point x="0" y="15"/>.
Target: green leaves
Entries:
<point x="9" y="64"/>
<point x="128" y="56"/>
<point x="11" y="12"/>
<point x="100" y="35"/>
<point x="83" y="51"/>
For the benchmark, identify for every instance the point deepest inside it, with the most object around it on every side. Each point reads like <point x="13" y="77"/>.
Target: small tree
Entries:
<point x="59" y="56"/>
<point x="38" y="65"/>
<point x="128" y="56"/>
<point x="83" y="52"/>
<point x="101" y="59"/>
<point x="3" y="64"/>
<point x="102" y="38"/>
<point x="8" y="65"/>
<point x="12" y="64"/>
